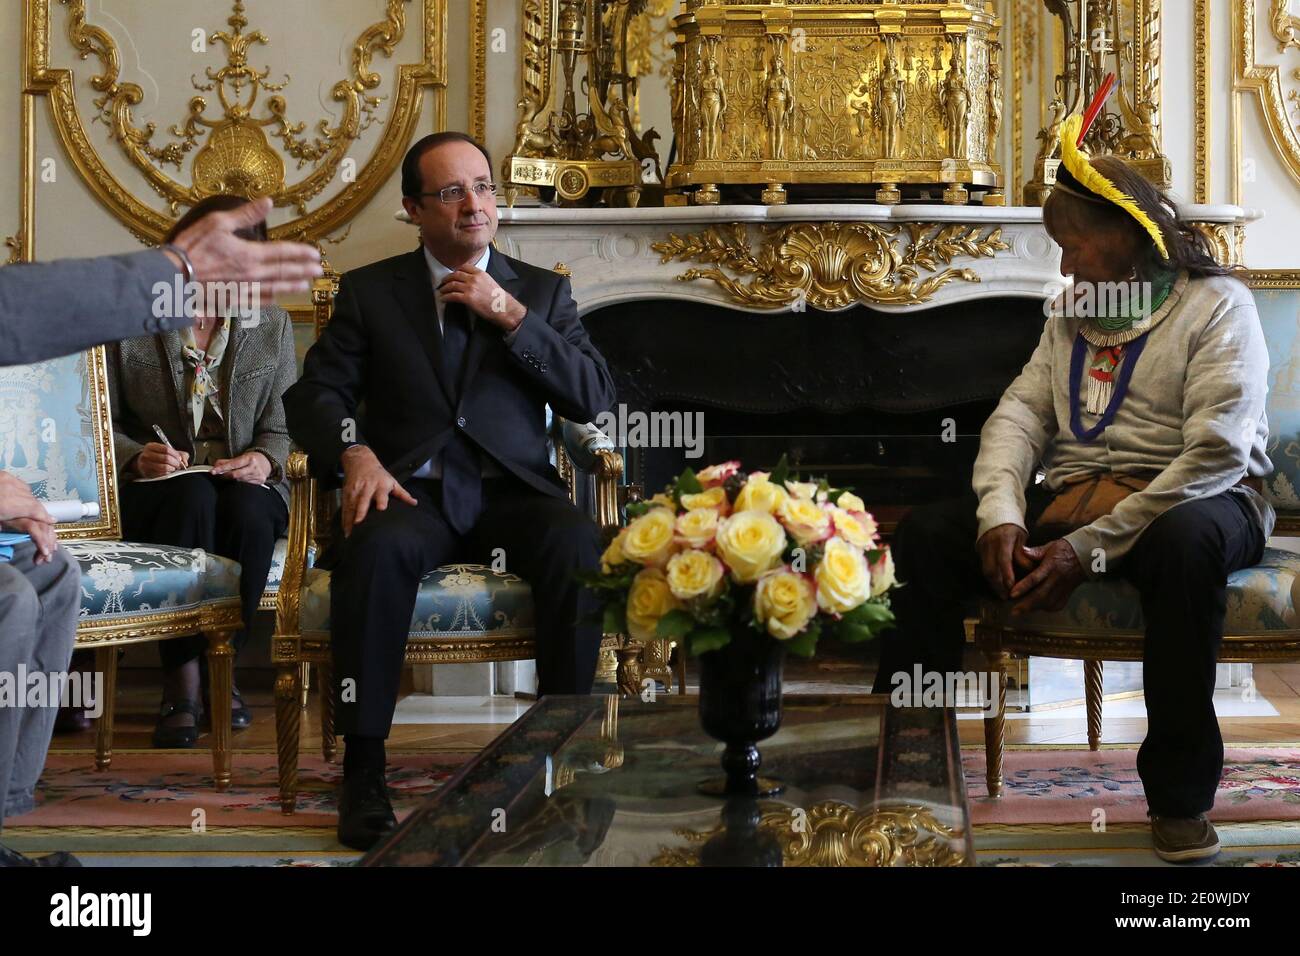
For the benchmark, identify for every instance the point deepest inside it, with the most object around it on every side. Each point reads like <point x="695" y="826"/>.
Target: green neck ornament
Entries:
<point x="1162" y="283"/>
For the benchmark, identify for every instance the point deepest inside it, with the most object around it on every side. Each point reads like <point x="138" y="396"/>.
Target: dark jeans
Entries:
<point x="1180" y="566"/>
<point x="374" y="581"/>
<point x="232" y="519"/>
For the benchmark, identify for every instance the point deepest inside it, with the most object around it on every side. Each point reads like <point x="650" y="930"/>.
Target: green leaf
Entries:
<point x="688" y="484"/>
<point x="803" y="644"/>
<point x="676" y="623"/>
<point x="615" y="620"/>
<point x="705" y="639"/>
<point x="851" y="633"/>
<point x="870" y="614"/>
<point x="780" y="473"/>
<point x="636" y="509"/>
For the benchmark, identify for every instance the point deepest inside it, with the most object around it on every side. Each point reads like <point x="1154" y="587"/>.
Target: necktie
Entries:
<point x="462" y="480"/>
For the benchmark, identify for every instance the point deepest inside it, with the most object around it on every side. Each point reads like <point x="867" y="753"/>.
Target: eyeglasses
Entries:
<point x="455" y="194"/>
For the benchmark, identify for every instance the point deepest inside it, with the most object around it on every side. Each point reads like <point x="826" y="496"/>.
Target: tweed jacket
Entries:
<point x="146" y="383"/>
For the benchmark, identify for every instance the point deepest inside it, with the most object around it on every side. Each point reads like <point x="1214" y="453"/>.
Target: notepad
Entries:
<point x="192" y="470"/>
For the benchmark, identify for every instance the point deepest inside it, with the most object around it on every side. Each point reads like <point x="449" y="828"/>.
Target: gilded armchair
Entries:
<point x="1103" y="620"/>
<point x="58" y="414"/>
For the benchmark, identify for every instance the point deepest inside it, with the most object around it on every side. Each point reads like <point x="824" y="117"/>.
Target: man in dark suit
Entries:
<point x="427" y="394"/>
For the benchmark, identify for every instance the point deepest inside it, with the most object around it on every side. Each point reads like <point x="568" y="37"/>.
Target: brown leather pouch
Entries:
<point x="1083" y="501"/>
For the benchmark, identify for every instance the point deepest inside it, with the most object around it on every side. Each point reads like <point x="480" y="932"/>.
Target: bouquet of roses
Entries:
<point x="722" y="549"/>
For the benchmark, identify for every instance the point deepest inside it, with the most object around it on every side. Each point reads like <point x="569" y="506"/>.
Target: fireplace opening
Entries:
<point x="890" y="404"/>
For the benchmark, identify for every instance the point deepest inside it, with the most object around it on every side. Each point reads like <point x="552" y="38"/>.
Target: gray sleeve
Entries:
<point x="58" y="308"/>
<point x="1223" y="399"/>
<point x="1013" y="439"/>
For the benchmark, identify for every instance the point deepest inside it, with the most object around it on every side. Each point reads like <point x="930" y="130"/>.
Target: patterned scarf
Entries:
<point x="203" y="384"/>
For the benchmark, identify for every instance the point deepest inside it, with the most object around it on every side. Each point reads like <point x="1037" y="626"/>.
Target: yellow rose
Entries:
<point x="647" y="601"/>
<point x="806" y="520"/>
<point x="882" y="574"/>
<point x="850" y="502"/>
<point x="696" y="528"/>
<point x="759" y="494"/>
<point x="614" y="553"/>
<point x="857" y="532"/>
<point x="712" y="498"/>
<point x="750" y="542"/>
<point x="843" y="579"/>
<point x="694" y="574"/>
<point x="662" y="500"/>
<point x="649" y="539"/>
<point x="784" y="602"/>
<point x="802" y="489"/>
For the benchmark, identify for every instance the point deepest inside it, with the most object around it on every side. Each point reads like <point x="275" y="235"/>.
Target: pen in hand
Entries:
<point x="162" y="437"/>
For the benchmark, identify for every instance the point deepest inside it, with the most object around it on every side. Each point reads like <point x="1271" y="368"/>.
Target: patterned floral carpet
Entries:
<point x="159" y="809"/>
<point x="1077" y="807"/>
<point x="156" y="809"/>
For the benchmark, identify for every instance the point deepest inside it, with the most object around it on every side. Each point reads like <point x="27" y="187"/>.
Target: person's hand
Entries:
<point x="218" y="255"/>
<point x="42" y="533"/>
<point x="156" y="459"/>
<point x="479" y="292"/>
<point x="18" y="502"/>
<point x="251" y="466"/>
<point x="1002" y="552"/>
<point x="366" y="482"/>
<point x="1049" y="586"/>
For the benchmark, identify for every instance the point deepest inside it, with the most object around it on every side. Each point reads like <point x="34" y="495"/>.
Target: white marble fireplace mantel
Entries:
<point x="609" y="254"/>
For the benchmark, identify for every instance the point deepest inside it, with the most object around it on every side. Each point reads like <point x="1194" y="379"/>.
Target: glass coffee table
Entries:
<point x="604" y="781"/>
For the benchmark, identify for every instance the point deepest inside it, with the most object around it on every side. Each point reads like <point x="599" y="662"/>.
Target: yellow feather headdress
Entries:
<point x="1076" y="162"/>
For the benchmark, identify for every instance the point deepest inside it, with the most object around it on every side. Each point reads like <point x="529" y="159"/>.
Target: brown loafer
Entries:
<point x="1184" y="839"/>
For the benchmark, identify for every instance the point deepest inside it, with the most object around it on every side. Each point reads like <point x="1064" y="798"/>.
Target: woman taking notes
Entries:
<point x="201" y="445"/>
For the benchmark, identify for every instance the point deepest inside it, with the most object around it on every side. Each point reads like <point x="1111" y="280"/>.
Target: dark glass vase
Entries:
<point x="740" y="704"/>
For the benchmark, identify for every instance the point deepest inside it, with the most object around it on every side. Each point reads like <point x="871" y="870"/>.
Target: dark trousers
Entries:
<point x="232" y="519"/>
<point x="373" y="588"/>
<point x="1180" y="566"/>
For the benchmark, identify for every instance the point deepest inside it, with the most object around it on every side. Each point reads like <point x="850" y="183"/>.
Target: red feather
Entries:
<point x="1098" y="101"/>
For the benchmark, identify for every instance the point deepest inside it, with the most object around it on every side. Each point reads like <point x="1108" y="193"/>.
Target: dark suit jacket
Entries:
<point x="374" y="376"/>
<point x="50" y="309"/>
<point x="146" y="386"/>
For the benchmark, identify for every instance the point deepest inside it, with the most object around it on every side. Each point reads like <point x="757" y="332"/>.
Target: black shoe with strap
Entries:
<point x="177" y="738"/>
<point x="10" y="857"/>
<point x="365" y="813"/>
<point x="241" y="716"/>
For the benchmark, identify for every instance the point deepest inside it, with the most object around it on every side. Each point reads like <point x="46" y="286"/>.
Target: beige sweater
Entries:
<point x="1194" y="412"/>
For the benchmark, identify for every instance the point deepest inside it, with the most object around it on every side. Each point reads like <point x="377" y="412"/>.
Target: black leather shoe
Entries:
<point x="177" y="738"/>
<point x="241" y="716"/>
<point x="10" y="857"/>
<point x="365" y="814"/>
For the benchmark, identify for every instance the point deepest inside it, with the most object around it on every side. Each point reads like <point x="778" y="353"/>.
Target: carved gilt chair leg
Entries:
<point x="995" y="723"/>
<point x="680" y="667"/>
<point x="304" y="682"/>
<point x="288" y="719"/>
<point x="1092" y="684"/>
<point x="329" y="748"/>
<point x="106" y="664"/>
<point x="221" y="662"/>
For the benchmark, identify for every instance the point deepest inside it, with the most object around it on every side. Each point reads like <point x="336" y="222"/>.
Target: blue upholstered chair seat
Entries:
<point x="120" y="579"/>
<point x="457" y="600"/>
<point x="276" y="574"/>
<point x="1260" y="600"/>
